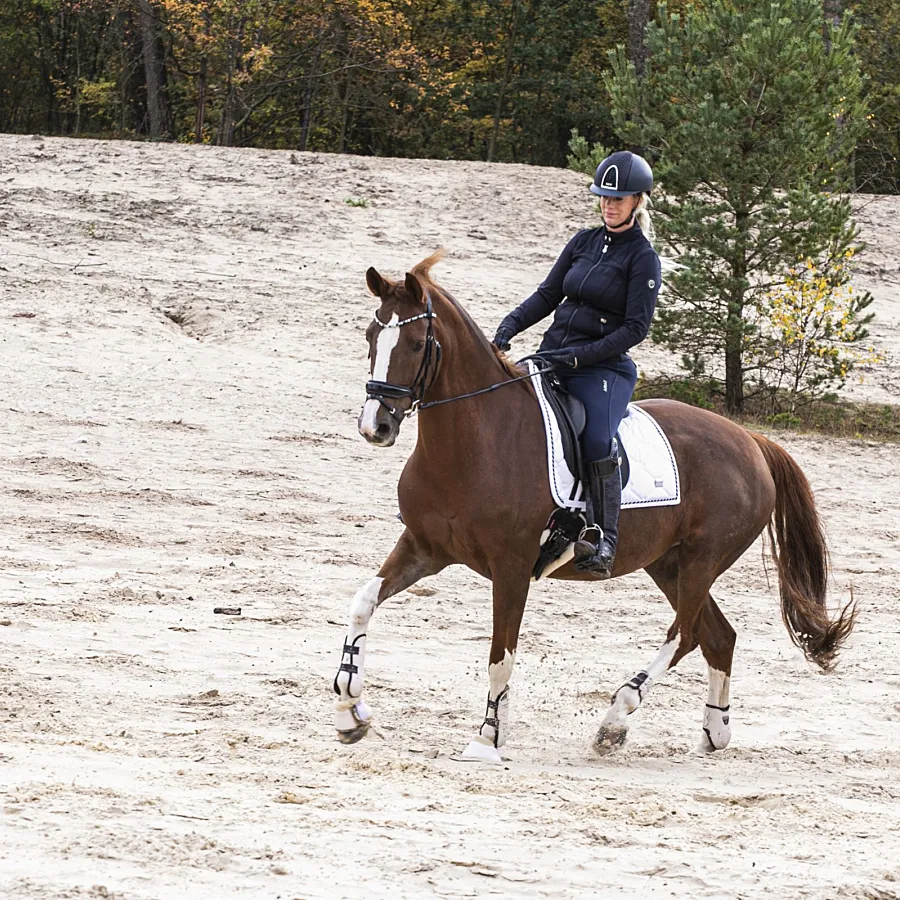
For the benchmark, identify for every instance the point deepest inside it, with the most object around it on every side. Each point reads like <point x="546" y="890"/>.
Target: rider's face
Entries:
<point x="617" y="211"/>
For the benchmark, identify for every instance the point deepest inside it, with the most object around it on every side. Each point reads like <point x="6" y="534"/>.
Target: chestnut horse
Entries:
<point x="475" y="491"/>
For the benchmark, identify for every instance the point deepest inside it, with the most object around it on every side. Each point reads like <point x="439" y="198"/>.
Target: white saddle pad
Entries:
<point x="653" y="478"/>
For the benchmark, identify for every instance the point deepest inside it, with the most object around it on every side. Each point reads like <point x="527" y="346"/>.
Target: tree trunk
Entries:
<point x="202" y="87"/>
<point x="734" y="361"/>
<point x="345" y="110"/>
<point x="507" y="72"/>
<point x="77" y="84"/>
<point x="229" y="111"/>
<point x="308" y="97"/>
<point x="638" y="18"/>
<point x="202" y="84"/>
<point x="833" y="12"/>
<point x="158" y="116"/>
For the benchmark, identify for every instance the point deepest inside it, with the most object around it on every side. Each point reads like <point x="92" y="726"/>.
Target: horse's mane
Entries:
<point x="422" y="271"/>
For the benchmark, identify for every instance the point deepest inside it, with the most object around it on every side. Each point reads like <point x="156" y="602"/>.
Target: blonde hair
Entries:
<point x="642" y="217"/>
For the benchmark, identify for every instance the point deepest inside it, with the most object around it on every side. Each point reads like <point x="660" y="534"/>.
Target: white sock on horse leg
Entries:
<point x="496" y="723"/>
<point x="630" y="696"/>
<point x="349" y="680"/>
<point x="716" y="715"/>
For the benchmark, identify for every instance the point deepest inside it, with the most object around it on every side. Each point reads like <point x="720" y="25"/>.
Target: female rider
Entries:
<point x="603" y="289"/>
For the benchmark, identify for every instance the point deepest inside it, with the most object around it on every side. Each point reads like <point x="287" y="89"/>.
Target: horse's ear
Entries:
<point x="375" y="282"/>
<point x="415" y="289"/>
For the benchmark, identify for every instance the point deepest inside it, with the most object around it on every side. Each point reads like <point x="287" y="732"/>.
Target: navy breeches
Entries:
<point x="605" y="390"/>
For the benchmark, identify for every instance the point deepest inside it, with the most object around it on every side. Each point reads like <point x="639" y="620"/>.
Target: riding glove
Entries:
<point x="562" y="357"/>
<point x="502" y="339"/>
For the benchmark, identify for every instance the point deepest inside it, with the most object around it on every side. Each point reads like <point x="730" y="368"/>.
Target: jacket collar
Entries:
<point x="623" y="237"/>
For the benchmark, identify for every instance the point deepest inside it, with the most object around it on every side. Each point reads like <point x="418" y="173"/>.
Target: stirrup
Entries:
<point x="595" y="562"/>
<point x="591" y="528"/>
<point x="594" y="565"/>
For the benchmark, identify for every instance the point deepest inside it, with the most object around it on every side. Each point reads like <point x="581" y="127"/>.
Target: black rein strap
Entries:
<point x="382" y="390"/>
<point x="486" y="390"/>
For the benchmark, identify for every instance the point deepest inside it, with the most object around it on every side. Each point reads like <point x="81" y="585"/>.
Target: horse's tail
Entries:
<point x="799" y="550"/>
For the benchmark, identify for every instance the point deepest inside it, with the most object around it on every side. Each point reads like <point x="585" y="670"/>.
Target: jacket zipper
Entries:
<point x="579" y="302"/>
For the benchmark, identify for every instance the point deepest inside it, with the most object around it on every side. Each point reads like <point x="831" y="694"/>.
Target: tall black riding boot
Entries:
<point x="604" y="502"/>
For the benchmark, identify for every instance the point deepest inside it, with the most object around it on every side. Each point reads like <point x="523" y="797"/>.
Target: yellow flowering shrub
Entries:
<point x="810" y="331"/>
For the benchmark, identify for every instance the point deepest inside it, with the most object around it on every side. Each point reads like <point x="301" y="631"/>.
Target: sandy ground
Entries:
<point x="182" y="361"/>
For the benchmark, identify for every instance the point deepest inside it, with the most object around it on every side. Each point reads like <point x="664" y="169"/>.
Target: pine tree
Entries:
<point x="738" y="107"/>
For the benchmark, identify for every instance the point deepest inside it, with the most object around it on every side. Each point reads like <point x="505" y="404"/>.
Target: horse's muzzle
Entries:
<point x="377" y="425"/>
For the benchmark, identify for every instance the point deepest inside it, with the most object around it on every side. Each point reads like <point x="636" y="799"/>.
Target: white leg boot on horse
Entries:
<point x="717" y="639"/>
<point x="716" y="715"/>
<point x="406" y="564"/>
<point x="352" y="716"/>
<point x="629" y="697"/>
<point x="510" y="594"/>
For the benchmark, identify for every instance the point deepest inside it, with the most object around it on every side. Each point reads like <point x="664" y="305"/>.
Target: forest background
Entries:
<point x="762" y="118"/>
<point x="495" y="80"/>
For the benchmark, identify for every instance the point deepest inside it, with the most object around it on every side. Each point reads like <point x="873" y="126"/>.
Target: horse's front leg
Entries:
<point x="408" y="562"/>
<point x="510" y="593"/>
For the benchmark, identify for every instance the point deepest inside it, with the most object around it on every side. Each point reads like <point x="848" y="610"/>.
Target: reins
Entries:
<point x="486" y="390"/>
<point x="381" y="390"/>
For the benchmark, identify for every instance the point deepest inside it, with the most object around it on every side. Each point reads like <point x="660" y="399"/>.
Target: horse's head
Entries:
<point x="404" y="354"/>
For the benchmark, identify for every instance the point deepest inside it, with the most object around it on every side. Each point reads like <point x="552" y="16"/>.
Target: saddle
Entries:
<point x="572" y="418"/>
<point x="565" y="525"/>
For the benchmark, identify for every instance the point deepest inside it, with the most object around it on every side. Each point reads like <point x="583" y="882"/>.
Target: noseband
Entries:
<point x="382" y="390"/>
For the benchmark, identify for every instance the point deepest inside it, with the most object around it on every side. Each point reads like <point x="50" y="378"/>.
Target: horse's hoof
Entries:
<point x="713" y="743"/>
<point x="352" y="722"/>
<point x="354" y="735"/>
<point x="478" y="751"/>
<point x="608" y="739"/>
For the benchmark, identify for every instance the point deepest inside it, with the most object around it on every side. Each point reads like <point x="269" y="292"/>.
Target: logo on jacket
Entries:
<point x="651" y="284"/>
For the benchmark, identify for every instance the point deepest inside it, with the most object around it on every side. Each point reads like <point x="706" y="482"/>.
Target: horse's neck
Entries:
<point x="466" y="426"/>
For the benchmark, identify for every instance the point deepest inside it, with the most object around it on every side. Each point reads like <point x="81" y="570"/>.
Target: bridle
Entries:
<point x="382" y="390"/>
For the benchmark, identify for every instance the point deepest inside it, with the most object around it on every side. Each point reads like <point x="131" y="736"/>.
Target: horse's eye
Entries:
<point x="419" y="346"/>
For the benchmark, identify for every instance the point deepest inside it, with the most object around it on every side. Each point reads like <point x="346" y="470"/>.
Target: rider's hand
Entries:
<point x="502" y="339"/>
<point x="562" y="357"/>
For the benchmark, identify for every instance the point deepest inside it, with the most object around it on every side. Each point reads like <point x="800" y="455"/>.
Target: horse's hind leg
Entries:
<point x="717" y="639"/>
<point x="408" y="562"/>
<point x="687" y="589"/>
<point x="614" y="728"/>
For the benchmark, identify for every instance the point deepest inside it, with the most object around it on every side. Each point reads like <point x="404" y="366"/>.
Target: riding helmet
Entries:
<point x="623" y="174"/>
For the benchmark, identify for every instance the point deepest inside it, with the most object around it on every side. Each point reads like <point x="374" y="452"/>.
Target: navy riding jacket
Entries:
<point x="603" y="288"/>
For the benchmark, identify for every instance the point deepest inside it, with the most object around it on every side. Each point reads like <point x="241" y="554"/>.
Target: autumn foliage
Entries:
<point x="490" y="79"/>
<point x="465" y="79"/>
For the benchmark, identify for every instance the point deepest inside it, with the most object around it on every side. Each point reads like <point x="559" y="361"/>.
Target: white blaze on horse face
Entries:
<point x="716" y="716"/>
<point x="384" y="348"/>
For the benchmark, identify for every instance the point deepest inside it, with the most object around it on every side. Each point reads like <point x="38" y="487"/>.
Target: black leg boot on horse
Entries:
<point x="603" y="504"/>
